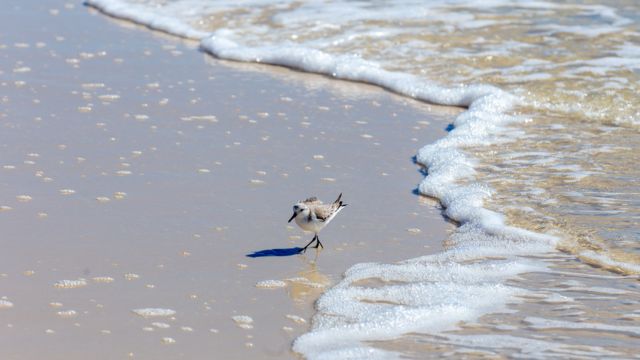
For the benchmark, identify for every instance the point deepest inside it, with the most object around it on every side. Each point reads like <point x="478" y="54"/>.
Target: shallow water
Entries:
<point x="558" y="156"/>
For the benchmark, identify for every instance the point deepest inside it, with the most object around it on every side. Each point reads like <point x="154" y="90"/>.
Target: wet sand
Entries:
<point x="145" y="172"/>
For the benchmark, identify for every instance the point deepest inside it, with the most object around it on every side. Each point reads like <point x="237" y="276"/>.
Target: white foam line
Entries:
<point x="595" y="276"/>
<point x="607" y="261"/>
<point x="140" y="15"/>
<point x="540" y="323"/>
<point x="527" y="348"/>
<point x="222" y="45"/>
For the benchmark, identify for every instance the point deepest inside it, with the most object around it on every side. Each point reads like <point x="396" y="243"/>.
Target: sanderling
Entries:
<point x="313" y="215"/>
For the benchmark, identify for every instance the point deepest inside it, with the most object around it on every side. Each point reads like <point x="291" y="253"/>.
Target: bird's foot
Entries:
<point x="318" y="243"/>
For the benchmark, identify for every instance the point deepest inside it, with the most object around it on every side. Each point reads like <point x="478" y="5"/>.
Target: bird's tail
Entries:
<point x="339" y="202"/>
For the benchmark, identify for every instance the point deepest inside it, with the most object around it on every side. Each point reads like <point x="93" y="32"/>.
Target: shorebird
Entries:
<point x="313" y="215"/>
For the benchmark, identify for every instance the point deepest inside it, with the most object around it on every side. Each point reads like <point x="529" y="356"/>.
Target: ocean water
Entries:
<point x="540" y="172"/>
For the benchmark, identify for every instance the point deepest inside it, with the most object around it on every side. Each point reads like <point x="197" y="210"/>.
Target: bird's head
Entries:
<point x="299" y="209"/>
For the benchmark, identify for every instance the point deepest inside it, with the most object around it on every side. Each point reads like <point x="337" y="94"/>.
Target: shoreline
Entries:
<point x="137" y="187"/>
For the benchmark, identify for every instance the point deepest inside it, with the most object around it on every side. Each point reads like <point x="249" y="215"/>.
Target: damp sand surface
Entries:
<point x="138" y="174"/>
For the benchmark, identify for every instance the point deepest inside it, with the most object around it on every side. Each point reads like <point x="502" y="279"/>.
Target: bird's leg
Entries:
<point x="306" y="246"/>
<point x="318" y="243"/>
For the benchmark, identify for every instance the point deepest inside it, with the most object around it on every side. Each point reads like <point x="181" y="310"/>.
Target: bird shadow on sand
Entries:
<point x="276" y="252"/>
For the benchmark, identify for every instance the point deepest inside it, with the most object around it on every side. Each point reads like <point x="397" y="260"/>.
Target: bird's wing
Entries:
<point x="323" y="212"/>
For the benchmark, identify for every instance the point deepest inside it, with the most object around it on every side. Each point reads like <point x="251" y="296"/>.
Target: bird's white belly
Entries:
<point x="313" y="226"/>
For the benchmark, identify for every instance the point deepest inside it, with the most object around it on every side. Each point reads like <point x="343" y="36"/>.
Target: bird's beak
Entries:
<point x="292" y="217"/>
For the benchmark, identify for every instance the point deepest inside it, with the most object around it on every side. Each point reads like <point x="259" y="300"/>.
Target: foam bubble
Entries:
<point x="296" y="319"/>
<point x="24" y="198"/>
<point x="103" y="279"/>
<point x="131" y="276"/>
<point x="70" y="284"/>
<point x="89" y="86"/>
<point x="271" y="284"/>
<point x="203" y="118"/>
<point x="67" y="313"/>
<point x="168" y="340"/>
<point x="109" y="97"/>
<point x="243" y="321"/>
<point x="119" y="195"/>
<point x="154" y="312"/>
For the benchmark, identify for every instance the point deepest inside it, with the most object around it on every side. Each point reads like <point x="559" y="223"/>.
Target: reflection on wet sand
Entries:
<point x="309" y="282"/>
